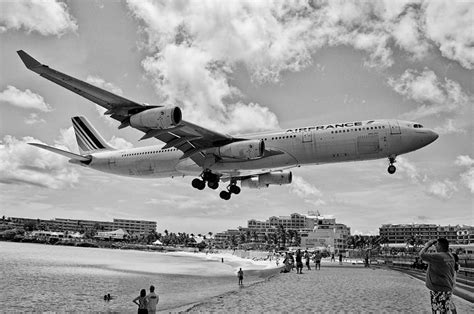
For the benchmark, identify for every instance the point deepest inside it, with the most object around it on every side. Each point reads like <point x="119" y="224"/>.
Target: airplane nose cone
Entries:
<point x="432" y="136"/>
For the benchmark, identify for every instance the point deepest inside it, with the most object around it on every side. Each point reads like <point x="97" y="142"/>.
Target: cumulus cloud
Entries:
<point x="47" y="17"/>
<point x="425" y="88"/>
<point x="442" y="189"/>
<point x="410" y="170"/>
<point x="467" y="177"/>
<point x="23" y="99"/>
<point x="100" y="82"/>
<point x="449" y="24"/>
<point x="120" y="143"/>
<point x="21" y="163"/>
<point x="305" y="190"/>
<point x="194" y="47"/>
<point x="449" y="127"/>
<point x="33" y="118"/>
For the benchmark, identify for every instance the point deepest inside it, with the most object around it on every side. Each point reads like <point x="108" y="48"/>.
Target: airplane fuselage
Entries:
<point x="340" y="142"/>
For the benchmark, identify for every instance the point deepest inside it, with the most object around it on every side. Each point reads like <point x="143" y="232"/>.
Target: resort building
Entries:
<point x="400" y="233"/>
<point x="314" y="230"/>
<point x="80" y="225"/>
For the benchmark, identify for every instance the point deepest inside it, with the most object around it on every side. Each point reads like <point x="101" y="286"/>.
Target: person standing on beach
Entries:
<point x="307" y="258"/>
<point x="142" y="303"/>
<point x="440" y="274"/>
<point x="152" y="299"/>
<point x="240" y="274"/>
<point x="299" y="262"/>
<point x="317" y="260"/>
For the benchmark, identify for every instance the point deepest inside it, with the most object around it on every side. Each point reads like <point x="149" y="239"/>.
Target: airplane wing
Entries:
<point x="191" y="139"/>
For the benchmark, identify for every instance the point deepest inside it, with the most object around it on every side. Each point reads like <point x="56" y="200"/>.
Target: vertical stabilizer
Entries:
<point x="88" y="139"/>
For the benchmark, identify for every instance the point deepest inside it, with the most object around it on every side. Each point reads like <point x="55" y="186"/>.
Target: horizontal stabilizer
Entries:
<point x="63" y="152"/>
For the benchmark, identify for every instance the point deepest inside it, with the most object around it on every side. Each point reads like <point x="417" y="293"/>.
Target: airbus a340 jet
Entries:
<point x="256" y="160"/>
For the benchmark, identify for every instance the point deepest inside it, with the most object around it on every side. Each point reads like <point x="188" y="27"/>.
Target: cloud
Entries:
<point x="305" y="190"/>
<point x="442" y="189"/>
<point x="47" y="17"/>
<point x="449" y="127"/>
<point x="100" y="82"/>
<point x="194" y="48"/>
<point x="410" y="170"/>
<point x="190" y="78"/>
<point x="33" y="118"/>
<point x="449" y="24"/>
<point x="434" y="96"/>
<point x="21" y="163"/>
<point x="23" y="99"/>
<point x="467" y="177"/>
<point x="120" y="143"/>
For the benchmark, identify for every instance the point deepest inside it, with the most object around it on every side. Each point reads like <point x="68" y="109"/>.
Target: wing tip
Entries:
<point x="28" y="60"/>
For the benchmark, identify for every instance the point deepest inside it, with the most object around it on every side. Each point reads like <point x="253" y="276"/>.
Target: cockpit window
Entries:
<point x="417" y="126"/>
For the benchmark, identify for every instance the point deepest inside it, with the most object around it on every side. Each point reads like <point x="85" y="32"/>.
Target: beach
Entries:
<point x="334" y="288"/>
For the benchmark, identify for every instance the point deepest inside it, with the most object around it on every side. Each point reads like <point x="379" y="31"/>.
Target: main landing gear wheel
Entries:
<point x="391" y="169"/>
<point x="213" y="184"/>
<point x="234" y="189"/>
<point x="225" y="195"/>
<point x="198" y="184"/>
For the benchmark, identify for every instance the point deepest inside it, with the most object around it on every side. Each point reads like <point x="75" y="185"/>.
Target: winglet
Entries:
<point x="28" y="60"/>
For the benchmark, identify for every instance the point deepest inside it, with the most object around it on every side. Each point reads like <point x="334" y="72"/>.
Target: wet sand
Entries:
<point x="334" y="288"/>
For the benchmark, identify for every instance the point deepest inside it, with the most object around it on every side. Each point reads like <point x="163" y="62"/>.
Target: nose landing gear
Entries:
<point x="391" y="169"/>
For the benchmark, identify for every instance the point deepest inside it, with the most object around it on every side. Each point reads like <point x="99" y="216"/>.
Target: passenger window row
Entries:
<point x="152" y="152"/>
<point x="359" y="129"/>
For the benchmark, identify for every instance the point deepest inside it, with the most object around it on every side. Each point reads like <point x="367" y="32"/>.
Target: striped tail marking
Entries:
<point x="87" y="137"/>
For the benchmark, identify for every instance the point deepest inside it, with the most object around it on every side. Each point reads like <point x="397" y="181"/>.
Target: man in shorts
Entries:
<point x="440" y="274"/>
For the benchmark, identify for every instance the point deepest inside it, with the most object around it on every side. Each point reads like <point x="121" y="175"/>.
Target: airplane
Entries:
<point x="256" y="160"/>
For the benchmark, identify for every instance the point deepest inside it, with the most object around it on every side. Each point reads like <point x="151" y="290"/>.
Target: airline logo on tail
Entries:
<point x="88" y="139"/>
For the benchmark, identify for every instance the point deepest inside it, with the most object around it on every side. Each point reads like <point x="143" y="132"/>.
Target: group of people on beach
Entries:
<point x="147" y="302"/>
<point x="290" y="259"/>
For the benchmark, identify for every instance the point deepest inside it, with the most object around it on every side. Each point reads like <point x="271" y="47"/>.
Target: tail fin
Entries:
<point x="88" y="139"/>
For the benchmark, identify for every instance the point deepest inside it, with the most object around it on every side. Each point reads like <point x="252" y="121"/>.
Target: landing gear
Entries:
<point x="231" y="189"/>
<point x="198" y="184"/>
<point x="391" y="169"/>
<point x="224" y="195"/>
<point x="208" y="177"/>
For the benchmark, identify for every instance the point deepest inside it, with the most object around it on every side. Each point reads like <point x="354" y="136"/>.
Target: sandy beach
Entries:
<point x="334" y="288"/>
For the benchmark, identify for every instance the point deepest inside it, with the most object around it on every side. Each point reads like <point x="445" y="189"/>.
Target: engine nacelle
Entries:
<point x="264" y="180"/>
<point x="249" y="149"/>
<point x="157" y="118"/>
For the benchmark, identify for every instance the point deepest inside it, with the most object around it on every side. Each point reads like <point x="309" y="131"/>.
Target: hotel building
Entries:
<point x="315" y="230"/>
<point x="78" y="225"/>
<point x="399" y="233"/>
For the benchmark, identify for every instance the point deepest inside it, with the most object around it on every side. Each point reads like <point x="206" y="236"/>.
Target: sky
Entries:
<point x="237" y="67"/>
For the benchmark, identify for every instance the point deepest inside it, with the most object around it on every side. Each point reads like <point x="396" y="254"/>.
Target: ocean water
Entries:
<point x="37" y="277"/>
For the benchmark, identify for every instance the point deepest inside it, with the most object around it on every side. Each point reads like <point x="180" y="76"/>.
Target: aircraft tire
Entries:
<point x="224" y="195"/>
<point x="198" y="184"/>
<point x="391" y="169"/>
<point x="234" y="189"/>
<point x="213" y="185"/>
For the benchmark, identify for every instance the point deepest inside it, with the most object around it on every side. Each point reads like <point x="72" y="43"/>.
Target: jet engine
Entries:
<point x="157" y="118"/>
<point x="249" y="149"/>
<point x="264" y="180"/>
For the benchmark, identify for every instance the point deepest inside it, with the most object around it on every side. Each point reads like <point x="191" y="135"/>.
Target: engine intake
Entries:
<point x="264" y="180"/>
<point x="249" y="149"/>
<point x="157" y="118"/>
